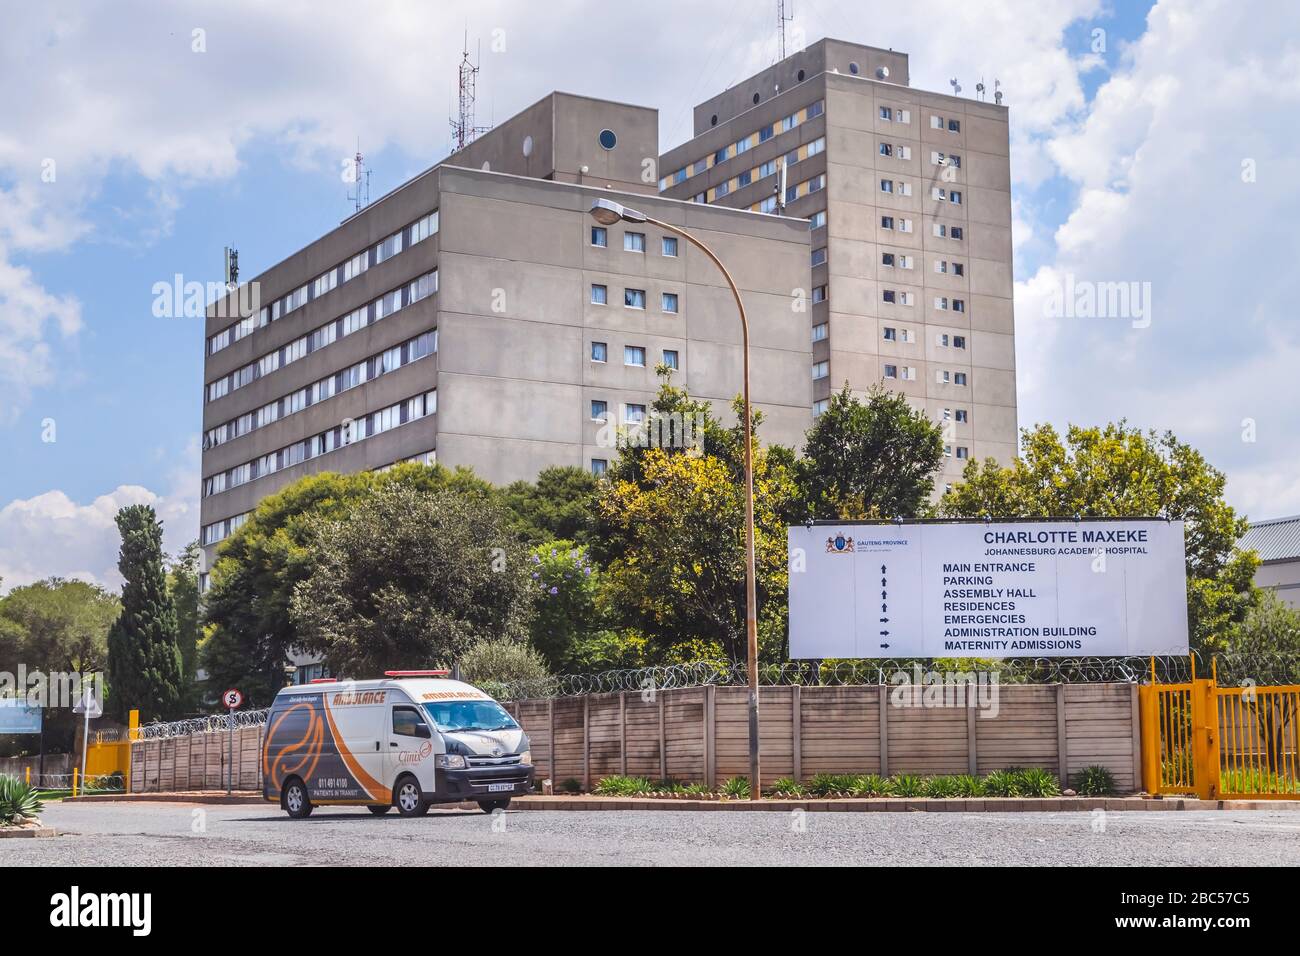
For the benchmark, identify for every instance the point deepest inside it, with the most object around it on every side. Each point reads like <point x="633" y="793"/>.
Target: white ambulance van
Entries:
<point x="407" y="741"/>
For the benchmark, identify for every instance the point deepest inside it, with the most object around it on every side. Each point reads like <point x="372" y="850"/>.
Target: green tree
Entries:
<point x="144" y="662"/>
<point x="681" y="577"/>
<point x="872" y="459"/>
<point x="1120" y="472"/>
<point x="568" y="612"/>
<point x="55" y="625"/>
<point x="250" y="630"/>
<point x="559" y="505"/>
<point x="183" y="586"/>
<point x="409" y="578"/>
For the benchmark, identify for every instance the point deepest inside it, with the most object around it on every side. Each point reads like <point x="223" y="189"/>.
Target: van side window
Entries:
<point x="407" y="723"/>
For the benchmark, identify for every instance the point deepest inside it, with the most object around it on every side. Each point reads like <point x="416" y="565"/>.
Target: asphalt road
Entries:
<point x="178" y="834"/>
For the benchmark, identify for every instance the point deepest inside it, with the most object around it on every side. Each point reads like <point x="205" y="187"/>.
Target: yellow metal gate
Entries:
<point x="1219" y="742"/>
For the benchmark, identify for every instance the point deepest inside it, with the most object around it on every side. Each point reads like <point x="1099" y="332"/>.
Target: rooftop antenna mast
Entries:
<point x="360" y="195"/>
<point x="782" y="19"/>
<point x="463" y="130"/>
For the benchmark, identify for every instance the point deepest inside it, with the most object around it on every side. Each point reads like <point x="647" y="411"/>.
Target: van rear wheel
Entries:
<point x="490" y="806"/>
<point x="409" y="798"/>
<point x="297" y="803"/>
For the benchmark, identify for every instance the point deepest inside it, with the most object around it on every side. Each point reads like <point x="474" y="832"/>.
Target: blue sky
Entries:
<point x="165" y="153"/>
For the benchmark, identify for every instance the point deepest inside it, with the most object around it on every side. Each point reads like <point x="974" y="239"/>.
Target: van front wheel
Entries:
<point x="379" y="809"/>
<point x="490" y="806"/>
<point x="409" y="798"/>
<point x="296" y="801"/>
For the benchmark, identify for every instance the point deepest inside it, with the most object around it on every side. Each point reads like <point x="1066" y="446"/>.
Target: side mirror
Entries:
<point x="422" y="730"/>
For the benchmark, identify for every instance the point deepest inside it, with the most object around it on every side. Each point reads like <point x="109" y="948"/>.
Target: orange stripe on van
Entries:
<point x="368" y="783"/>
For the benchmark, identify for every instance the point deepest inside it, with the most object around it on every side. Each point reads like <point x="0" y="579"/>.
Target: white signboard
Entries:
<point x="974" y="589"/>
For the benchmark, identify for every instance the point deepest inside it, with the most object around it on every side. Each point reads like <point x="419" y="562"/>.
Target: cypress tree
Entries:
<point x="144" y="660"/>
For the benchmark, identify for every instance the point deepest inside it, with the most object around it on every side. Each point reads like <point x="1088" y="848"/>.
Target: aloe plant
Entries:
<point x="18" y="801"/>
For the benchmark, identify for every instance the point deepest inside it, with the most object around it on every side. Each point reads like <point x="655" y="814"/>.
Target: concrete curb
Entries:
<point x="19" y="833"/>
<point x="911" y="805"/>
<point x="181" y="797"/>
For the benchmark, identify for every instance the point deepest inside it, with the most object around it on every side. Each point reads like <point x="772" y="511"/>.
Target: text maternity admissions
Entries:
<point x="981" y="617"/>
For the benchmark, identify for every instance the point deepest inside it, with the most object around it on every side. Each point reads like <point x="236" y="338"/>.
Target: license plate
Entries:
<point x="500" y="787"/>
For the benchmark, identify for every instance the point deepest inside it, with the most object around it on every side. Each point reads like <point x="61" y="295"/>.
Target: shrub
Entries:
<point x="620" y="786"/>
<point x="1094" y="781"/>
<point x="871" y="785"/>
<point x="1002" y="783"/>
<point x="969" y="786"/>
<point x="1037" y="782"/>
<point x="906" y="785"/>
<point x="941" y="787"/>
<point x="18" y="802"/>
<point x="694" y="790"/>
<point x="830" y="784"/>
<point x="494" y="665"/>
<point x="737" y="788"/>
<point x="787" y="786"/>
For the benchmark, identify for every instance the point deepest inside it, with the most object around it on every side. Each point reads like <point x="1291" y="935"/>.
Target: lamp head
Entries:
<point x="607" y="212"/>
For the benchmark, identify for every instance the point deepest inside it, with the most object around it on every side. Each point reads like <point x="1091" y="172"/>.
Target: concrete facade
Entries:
<point x="884" y="285"/>
<point x="495" y="271"/>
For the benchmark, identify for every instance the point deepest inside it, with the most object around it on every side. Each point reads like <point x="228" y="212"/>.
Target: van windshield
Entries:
<point x="456" y="715"/>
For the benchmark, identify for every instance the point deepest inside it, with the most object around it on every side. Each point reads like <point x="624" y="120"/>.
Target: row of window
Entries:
<point x="908" y="337"/>
<point x="908" y="373"/>
<point x="364" y="371"/>
<point x="359" y="318"/>
<point x="635" y="298"/>
<point x="633" y="355"/>
<point x="763" y="170"/>
<point x="404" y="238"/>
<point x="903" y="297"/>
<point x="223" y="529"/>
<point x="634" y="242"/>
<point x="346" y="433"/>
<point x="743" y="145"/>
<point x="806" y="188"/>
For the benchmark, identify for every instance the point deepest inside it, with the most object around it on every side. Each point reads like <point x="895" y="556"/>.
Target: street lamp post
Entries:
<point x="607" y="212"/>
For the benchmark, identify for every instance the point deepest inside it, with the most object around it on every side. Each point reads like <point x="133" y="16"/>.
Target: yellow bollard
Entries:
<point x="29" y="776"/>
<point x="74" y="780"/>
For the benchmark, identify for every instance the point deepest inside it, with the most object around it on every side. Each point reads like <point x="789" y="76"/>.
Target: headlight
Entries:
<point x="526" y="757"/>
<point x="450" y="762"/>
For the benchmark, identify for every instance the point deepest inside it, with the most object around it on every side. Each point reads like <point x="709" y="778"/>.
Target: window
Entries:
<point x="670" y="246"/>
<point x="963" y="415"/>
<point x="956" y="232"/>
<point x="936" y="122"/>
<point x="819" y="294"/>
<point x="819" y="256"/>
<point x="891" y="371"/>
<point x="634" y="355"/>
<point x="599" y="351"/>
<point x="821" y="370"/>
<point x="819" y="331"/>
<point x="886" y="185"/>
<point x="887" y="259"/>
<point x="937" y="194"/>
<point x="354" y="266"/>
<point x="599" y="410"/>
<point x="634" y="242"/>
<point x="886" y="149"/>
<point x="599" y="236"/>
<point x="904" y="225"/>
<point x="959" y="378"/>
<point x="886" y="222"/>
<point x="954" y="126"/>
<point x="940" y="230"/>
<point x="958" y="269"/>
<point x="388" y="248"/>
<point x="890" y="334"/>
<point x="963" y="451"/>
<point x="407" y="722"/>
<point x="424" y="228"/>
<point x="886" y="114"/>
<point x="905" y="298"/>
<point x="959" y="305"/>
<point x="634" y="298"/>
<point x="904" y="262"/>
<point x="954" y="197"/>
<point x="599" y="466"/>
<point x="633" y="414"/>
<point x="817" y="220"/>
<point x="669" y="302"/>
<point x="670" y="358"/>
<point x="599" y="294"/>
<point x="820" y="406"/>
<point x="325" y="283"/>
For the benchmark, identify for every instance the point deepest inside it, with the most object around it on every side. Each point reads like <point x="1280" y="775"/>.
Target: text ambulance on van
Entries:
<point x="407" y="741"/>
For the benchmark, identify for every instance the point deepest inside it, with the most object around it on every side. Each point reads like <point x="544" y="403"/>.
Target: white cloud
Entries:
<point x="1158" y="161"/>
